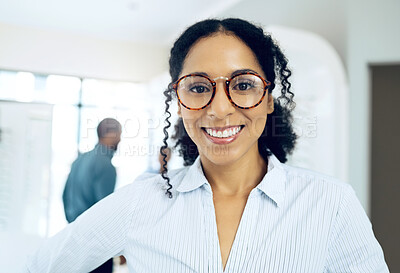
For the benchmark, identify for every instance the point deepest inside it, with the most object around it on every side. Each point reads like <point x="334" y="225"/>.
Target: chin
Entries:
<point x="219" y="155"/>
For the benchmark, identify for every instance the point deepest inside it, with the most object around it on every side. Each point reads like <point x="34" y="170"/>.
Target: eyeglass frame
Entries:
<point x="214" y="85"/>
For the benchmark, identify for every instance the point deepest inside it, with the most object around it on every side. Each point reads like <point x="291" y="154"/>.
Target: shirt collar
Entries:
<point x="194" y="178"/>
<point x="272" y="185"/>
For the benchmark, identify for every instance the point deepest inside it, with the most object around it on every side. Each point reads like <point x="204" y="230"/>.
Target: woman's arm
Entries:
<point x="94" y="237"/>
<point x="353" y="246"/>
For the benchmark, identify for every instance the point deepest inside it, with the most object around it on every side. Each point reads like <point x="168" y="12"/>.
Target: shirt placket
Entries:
<point x="213" y="255"/>
<point x="238" y="253"/>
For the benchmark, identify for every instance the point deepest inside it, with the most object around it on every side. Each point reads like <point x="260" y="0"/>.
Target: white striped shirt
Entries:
<point x="294" y="221"/>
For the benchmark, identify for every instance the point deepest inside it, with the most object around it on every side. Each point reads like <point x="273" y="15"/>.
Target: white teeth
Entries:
<point x="223" y="134"/>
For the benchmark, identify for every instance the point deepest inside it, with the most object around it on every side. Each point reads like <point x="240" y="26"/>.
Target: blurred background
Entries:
<point x="66" y="65"/>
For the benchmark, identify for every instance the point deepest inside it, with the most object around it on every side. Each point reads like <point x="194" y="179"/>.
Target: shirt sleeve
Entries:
<point x="94" y="237"/>
<point x="353" y="247"/>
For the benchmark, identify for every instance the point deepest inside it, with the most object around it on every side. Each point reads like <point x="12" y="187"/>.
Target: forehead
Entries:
<point x="220" y="55"/>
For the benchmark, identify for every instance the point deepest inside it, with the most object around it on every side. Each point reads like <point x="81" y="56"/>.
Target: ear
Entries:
<point x="270" y="103"/>
<point x="179" y="110"/>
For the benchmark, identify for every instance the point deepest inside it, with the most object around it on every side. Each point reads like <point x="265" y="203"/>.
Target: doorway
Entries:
<point x="385" y="160"/>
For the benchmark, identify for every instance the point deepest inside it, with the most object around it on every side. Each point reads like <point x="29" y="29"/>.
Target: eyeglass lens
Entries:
<point x="245" y="90"/>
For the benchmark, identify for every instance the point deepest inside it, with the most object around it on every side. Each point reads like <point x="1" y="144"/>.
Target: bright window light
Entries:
<point x="63" y="89"/>
<point x="25" y="86"/>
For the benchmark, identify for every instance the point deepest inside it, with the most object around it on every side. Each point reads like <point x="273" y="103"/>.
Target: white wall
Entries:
<point x="326" y="18"/>
<point x="373" y="37"/>
<point x="52" y="52"/>
<point x="320" y="84"/>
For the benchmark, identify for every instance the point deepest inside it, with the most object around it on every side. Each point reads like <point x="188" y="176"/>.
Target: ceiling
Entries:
<point x="150" y="21"/>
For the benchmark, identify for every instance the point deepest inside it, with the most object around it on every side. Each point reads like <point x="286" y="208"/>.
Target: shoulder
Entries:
<point x="100" y="162"/>
<point x="312" y="189"/>
<point x="147" y="195"/>
<point x="309" y="177"/>
<point x="154" y="182"/>
<point x="319" y="196"/>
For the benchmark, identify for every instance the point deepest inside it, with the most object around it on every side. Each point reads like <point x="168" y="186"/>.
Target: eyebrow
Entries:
<point x="200" y="73"/>
<point x="234" y="73"/>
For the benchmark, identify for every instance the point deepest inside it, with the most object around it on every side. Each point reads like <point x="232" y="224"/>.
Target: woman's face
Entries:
<point x="216" y="56"/>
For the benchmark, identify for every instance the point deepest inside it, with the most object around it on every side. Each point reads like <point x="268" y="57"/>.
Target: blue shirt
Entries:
<point x="92" y="178"/>
<point x="295" y="221"/>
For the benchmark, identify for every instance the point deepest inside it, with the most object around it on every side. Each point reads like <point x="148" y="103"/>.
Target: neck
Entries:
<point x="237" y="178"/>
<point x="106" y="144"/>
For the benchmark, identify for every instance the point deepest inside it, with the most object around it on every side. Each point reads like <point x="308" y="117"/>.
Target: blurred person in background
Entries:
<point x="93" y="177"/>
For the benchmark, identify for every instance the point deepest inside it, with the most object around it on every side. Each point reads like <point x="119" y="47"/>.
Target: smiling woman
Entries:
<point x="237" y="207"/>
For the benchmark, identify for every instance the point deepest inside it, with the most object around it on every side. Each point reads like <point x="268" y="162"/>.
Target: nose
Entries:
<point x="220" y="107"/>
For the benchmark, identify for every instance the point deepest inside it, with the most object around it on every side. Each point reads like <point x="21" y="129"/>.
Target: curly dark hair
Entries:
<point x="278" y="136"/>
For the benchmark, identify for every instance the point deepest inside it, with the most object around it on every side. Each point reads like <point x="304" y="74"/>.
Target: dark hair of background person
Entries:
<point x="108" y="125"/>
<point x="278" y="136"/>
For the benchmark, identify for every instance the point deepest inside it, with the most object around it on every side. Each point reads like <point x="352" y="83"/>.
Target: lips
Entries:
<point x="223" y="135"/>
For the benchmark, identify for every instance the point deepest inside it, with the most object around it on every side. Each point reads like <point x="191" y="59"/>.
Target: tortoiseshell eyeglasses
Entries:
<point x="245" y="90"/>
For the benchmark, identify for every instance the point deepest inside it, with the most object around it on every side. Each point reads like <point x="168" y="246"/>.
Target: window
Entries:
<point x="78" y="106"/>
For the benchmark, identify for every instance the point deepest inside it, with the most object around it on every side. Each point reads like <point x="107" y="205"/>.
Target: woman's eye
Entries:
<point x="199" y="89"/>
<point x="243" y="86"/>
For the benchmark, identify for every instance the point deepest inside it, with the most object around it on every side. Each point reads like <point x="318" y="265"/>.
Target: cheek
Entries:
<point x="257" y="126"/>
<point x="257" y="119"/>
<point x="190" y="120"/>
